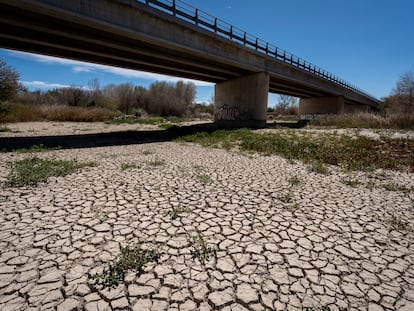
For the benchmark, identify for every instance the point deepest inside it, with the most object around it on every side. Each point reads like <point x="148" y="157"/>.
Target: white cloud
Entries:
<point x="78" y="67"/>
<point x="43" y="85"/>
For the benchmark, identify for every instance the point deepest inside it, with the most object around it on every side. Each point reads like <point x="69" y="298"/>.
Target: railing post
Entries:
<point x="147" y="2"/>
<point x="174" y="8"/>
<point x="215" y="24"/>
<point x="267" y="48"/>
<point x="231" y="32"/>
<point x="244" y="38"/>
<point x="257" y="43"/>
<point x="196" y="17"/>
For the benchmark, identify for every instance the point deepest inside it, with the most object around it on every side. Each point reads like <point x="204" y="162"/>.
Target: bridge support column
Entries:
<point x="242" y="101"/>
<point x="321" y="105"/>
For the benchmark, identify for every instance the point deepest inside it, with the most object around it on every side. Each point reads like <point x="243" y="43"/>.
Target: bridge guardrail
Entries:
<point x="189" y="13"/>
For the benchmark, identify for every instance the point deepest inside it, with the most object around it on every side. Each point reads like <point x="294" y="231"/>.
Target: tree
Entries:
<point x="9" y="81"/>
<point x="286" y="105"/>
<point x="403" y="94"/>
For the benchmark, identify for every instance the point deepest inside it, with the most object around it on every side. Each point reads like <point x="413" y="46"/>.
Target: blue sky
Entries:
<point x="366" y="42"/>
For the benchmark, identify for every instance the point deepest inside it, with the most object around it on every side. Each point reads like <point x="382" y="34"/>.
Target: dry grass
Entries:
<point x="10" y="113"/>
<point x="366" y="120"/>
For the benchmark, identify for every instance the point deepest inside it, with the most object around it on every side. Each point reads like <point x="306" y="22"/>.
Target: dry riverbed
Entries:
<point x="228" y="230"/>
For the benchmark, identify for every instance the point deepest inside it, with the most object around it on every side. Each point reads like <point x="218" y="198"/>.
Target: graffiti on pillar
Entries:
<point x="227" y="113"/>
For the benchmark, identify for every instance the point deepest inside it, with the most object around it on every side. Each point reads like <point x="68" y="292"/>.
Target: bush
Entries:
<point x="366" y="120"/>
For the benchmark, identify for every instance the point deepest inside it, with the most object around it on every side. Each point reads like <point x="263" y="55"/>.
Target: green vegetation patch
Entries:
<point x="132" y="257"/>
<point x="36" y="148"/>
<point x="127" y="166"/>
<point x="177" y="212"/>
<point x="31" y="171"/>
<point x="352" y="153"/>
<point x="5" y="129"/>
<point x="201" y="250"/>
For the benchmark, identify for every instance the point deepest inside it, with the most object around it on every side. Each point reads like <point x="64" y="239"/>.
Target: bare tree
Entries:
<point x="403" y="94"/>
<point x="286" y="105"/>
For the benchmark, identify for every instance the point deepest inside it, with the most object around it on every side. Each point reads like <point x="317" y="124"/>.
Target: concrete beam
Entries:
<point x="321" y="105"/>
<point x="242" y="101"/>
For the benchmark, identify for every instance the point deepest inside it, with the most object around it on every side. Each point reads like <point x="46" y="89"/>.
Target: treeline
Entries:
<point x="161" y="98"/>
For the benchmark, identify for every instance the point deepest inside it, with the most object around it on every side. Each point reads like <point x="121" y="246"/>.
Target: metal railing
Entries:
<point x="189" y="13"/>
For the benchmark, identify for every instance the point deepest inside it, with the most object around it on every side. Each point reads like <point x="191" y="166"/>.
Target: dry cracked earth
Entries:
<point x="281" y="237"/>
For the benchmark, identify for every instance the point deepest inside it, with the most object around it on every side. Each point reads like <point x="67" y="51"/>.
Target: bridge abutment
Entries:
<point x="242" y="101"/>
<point x="322" y="105"/>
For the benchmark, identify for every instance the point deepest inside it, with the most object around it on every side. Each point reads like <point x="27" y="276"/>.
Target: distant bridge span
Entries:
<point x="174" y="38"/>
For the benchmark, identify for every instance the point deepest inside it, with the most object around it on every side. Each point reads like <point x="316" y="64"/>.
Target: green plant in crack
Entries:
<point x="201" y="250"/>
<point x="156" y="162"/>
<point x="177" y="211"/>
<point x="204" y="178"/>
<point x="319" y="168"/>
<point x="396" y="223"/>
<point x="31" y="171"/>
<point x="132" y="257"/>
<point x="126" y="166"/>
<point x="286" y="197"/>
<point x="294" y="180"/>
<point x="350" y="182"/>
<point x="396" y="187"/>
<point x="147" y="152"/>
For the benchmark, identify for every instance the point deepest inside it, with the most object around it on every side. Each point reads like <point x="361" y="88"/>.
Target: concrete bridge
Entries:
<point x="174" y="38"/>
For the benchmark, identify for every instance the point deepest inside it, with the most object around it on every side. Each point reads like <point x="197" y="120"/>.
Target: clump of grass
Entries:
<point x="4" y="129"/>
<point x="156" y="162"/>
<point x="396" y="187"/>
<point x="396" y="223"/>
<point x="126" y="166"/>
<point x="204" y="178"/>
<point x="201" y="250"/>
<point x="366" y="120"/>
<point x="168" y="126"/>
<point x="350" y="182"/>
<point x="176" y="212"/>
<point x="286" y="198"/>
<point x="319" y="168"/>
<point x="147" y="152"/>
<point x="26" y="113"/>
<point x="132" y="257"/>
<point x="36" y="149"/>
<point x="31" y="171"/>
<point x="294" y="180"/>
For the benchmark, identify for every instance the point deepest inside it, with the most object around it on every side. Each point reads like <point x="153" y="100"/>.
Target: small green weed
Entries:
<point x="396" y="187"/>
<point x="126" y="166"/>
<point x="156" y="162"/>
<point x="319" y="168"/>
<point x="176" y="212"/>
<point x="168" y="126"/>
<point x="350" y="182"/>
<point x="31" y="171"/>
<point x="286" y="198"/>
<point x="147" y="152"/>
<point x="37" y="148"/>
<point x="396" y="223"/>
<point x="203" y="178"/>
<point x="294" y="180"/>
<point x="132" y="257"/>
<point x="201" y="250"/>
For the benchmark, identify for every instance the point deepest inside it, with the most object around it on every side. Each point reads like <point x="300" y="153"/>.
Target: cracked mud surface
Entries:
<point x="279" y="245"/>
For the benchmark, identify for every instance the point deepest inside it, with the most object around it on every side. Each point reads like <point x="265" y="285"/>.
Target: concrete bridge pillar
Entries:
<point x="242" y="101"/>
<point x="321" y="105"/>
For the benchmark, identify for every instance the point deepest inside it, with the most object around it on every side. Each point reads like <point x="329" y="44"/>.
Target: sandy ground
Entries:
<point x="279" y="245"/>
